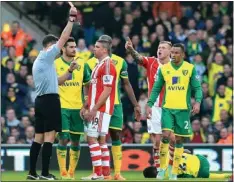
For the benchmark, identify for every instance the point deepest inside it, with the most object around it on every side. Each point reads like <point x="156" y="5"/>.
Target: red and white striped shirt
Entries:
<point x="151" y="64"/>
<point x="104" y="74"/>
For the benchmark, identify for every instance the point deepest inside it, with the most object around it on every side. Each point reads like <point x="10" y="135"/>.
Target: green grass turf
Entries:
<point x="130" y="176"/>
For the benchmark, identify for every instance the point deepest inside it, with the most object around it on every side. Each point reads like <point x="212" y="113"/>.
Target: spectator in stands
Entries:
<point x="227" y="71"/>
<point x="193" y="46"/>
<point x="82" y="50"/>
<point x="146" y="13"/>
<point x="30" y="60"/>
<point x="24" y="123"/>
<point x="4" y="130"/>
<point x="206" y="125"/>
<point x="199" y="66"/>
<point x="229" y="55"/>
<point x="198" y="134"/>
<point x="21" y="76"/>
<point x="145" y="42"/>
<point x="221" y="102"/>
<point x="29" y="133"/>
<point x="215" y="69"/>
<point x="225" y="119"/>
<point x="16" y="37"/>
<point x="217" y="128"/>
<point x="172" y="9"/>
<point x="12" y="55"/>
<point x="31" y="93"/>
<point x="177" y="35"/>
<point x="137" y="137"/>
<point x="126" y="135"/>
<point x="211" y="139"/>
<point x="207" y="103"/>
<point x="4" y="51"/>
<point x="11" y="119"/>
<point x="10" y="65"/>
<point x="15" y="133"/>
<point x="31" y="114"/>
<point x="11" y="140"/>
<point x="116" y="22"/>
<point x="225" y="137"/>
<point x="11" y="100"/>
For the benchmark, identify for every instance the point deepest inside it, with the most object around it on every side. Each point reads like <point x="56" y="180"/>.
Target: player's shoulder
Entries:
<point x="188" y="65"/>
<point x="116" y="57"/>
<point x="58" y="61"/>
<point x="150" y="59"/>
<point x="93" y="59"/>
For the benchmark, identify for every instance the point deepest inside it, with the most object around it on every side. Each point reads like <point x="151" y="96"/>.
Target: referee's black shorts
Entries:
<point x="48" y="113"/>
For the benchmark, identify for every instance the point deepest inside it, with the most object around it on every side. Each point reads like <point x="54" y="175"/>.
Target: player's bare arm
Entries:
<point x="128" y="88"/>
<point x="66" y="75"/>
<point x="67" y="30"/>
<point x="133" y="52"/>
<point x="85" y="105"/>
<point x="102" y="99"/>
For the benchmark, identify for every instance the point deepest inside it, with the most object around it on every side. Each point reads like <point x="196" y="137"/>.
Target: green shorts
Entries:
<point x="177" y="121"/>
<point x="204" y="171"/>
<point x="72" y="122"/>
<point x="116" y="121"/>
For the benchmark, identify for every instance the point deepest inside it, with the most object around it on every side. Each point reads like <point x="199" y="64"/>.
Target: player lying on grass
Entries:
<point x="191" y="166"/>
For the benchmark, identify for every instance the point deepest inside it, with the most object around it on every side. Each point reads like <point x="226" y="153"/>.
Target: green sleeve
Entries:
<point x="158" y="84"/>
<point x="196" y="86"/>
<point x="88" y="68"/>
<point x="87" y="72"/>
<point x="124" y="70"/>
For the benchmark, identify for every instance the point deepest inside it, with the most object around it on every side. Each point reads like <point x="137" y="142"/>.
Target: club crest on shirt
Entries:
<point x="78" y="67"/>
<point x="185" y="72"/>
<point x="61" y="69"/>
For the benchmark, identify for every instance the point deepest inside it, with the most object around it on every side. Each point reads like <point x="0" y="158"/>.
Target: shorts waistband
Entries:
<point x="48" y="95"/>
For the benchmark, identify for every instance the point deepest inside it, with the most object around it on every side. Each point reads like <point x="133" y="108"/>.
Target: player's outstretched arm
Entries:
<point x="133" y="52"/>
<point x="67" y="30"/>
<point x="196" y="86"/>
<point x="158" y="84"/>
<point x="128" y="88"/>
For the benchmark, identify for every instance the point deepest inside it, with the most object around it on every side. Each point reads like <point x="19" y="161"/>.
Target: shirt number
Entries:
<point x="186" y="125"/>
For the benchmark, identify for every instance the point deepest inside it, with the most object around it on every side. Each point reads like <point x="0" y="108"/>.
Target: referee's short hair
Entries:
<point x="179" y="45"/>
<point x="49" y="39"/>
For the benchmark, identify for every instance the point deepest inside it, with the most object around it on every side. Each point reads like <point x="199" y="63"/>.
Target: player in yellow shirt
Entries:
<point x="71" y="86"/>
<point x="179" y="79"/>
<point x="191" y="166"/>
<point x="116" y="122"/>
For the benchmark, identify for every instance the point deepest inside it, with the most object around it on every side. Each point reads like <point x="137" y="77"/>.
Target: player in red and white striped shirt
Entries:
<point x="100" y="105"/>
<point x="151" y="64"/>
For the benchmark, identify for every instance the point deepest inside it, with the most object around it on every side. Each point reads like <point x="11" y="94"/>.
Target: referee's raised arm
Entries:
<point x="67" y="30"/>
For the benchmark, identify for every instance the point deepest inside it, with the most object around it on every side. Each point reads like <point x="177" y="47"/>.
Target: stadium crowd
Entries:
<point x="204" y="28"/>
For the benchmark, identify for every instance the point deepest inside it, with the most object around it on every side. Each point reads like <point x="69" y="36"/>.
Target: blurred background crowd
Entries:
<point x="205" y="28"/>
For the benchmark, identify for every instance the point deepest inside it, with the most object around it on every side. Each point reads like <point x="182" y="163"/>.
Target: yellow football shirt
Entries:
<point x="121" y="69"/>
<point x="71" y="91"/>
<point x="214" y="69"/>
<point x="85" y="55"/>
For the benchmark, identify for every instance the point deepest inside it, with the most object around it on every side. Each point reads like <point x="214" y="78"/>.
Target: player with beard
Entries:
<point x="151" y="64"/>
<point x="73" y="78"/>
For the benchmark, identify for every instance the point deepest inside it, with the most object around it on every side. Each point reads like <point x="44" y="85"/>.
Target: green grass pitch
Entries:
<point x="130" y="176"/>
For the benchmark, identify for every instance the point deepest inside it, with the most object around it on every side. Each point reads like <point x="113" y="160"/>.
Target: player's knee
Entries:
<point x="49" y="136"/>
<point x="63" y="142"/>
<point x="165" y="135"/>
<point x="75" y="138"/>
<point x="179" y="140"/>
<point x="39" y="138"/>
<point x="102" y="140"/>
<point x="91" y="140"/>
<point x="115" y="134"/>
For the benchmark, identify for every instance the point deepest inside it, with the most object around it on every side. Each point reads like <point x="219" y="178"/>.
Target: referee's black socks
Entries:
<point x="46" y="154"/>
<point x="34" y="152"/>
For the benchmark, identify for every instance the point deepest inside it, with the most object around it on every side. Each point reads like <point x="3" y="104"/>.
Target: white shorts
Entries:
<point x="154" y="124"/>
<point x="100" y="125"/>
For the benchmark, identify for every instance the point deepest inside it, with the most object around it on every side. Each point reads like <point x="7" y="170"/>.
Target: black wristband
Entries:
<point x="69" y="71"/>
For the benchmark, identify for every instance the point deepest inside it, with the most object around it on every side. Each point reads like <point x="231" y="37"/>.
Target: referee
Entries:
<point x="47" y="103"/>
